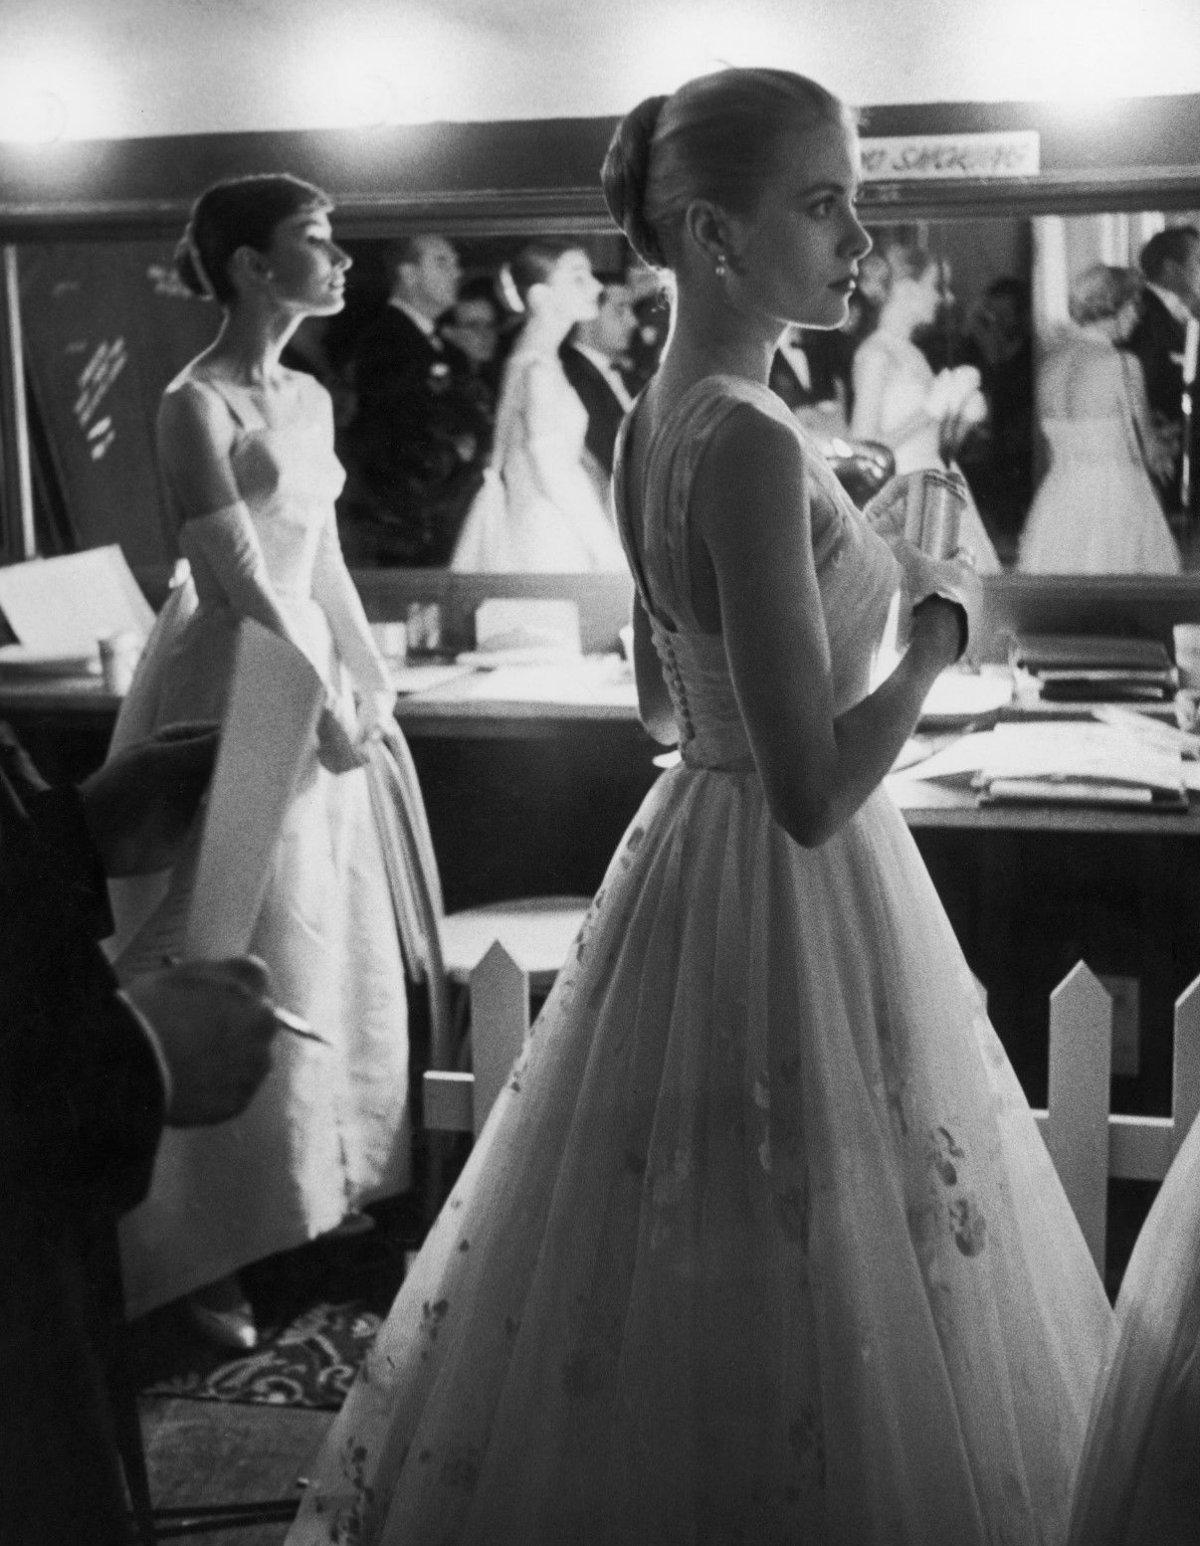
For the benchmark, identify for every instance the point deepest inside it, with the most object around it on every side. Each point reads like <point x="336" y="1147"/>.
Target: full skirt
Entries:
<point x="760" y="1243"/>
<point x="329" y="1129"/>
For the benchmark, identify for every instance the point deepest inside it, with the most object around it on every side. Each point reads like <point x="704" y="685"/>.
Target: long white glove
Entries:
<point x="226" y="544"/>
<point x="334" y="591"/>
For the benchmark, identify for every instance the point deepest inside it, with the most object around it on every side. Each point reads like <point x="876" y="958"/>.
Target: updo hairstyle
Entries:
<point x="717" y="138"/>
<point x="240" y="212"/>
<point x="533" y="265"/>
<point x="1101" y="291"/>
<point x="904" y="260"/>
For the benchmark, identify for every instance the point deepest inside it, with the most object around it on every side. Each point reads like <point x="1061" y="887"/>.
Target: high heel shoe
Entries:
<point x="223" y="1314"/>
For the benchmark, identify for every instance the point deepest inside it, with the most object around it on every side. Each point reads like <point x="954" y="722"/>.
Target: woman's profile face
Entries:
<point x="307" y="268"/>
<point x="572" y="289"/>
<point x="796" y="259"/>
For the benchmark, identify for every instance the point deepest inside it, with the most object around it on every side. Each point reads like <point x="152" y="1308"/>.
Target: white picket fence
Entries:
<point x="1087" y="1142"/>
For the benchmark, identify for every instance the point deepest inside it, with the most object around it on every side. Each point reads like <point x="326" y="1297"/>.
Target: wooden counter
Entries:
<point x="530" y="781"/>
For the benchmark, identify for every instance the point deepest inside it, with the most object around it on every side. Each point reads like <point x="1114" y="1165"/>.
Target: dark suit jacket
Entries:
<point x="1156" y="338"/>
<point x="407" y="480"/>
<point x="828" y="356"/>
<point x="605" y="410"/>
<point x="81" y="1112"/>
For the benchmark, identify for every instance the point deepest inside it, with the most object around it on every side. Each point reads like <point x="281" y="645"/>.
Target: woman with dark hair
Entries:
<point x="1096" y="510"/>
<point x="539" y="509"/>
<point x="760" y="1243"/>
<point x="246" y="454"/>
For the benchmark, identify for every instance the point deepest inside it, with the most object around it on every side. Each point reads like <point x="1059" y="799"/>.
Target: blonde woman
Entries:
<point x="1097" y="511"/>
<point x="760" y="1243"/>
<point x="898" y="400"/>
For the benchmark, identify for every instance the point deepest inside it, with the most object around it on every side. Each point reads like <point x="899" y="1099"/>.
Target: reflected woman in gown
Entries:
<point x="246" y="453"/>
<point x="760" y="1242"/>
<point x="1096" y="511"/>
<point x="551" y="516"/>
<point x="898" y="399"/>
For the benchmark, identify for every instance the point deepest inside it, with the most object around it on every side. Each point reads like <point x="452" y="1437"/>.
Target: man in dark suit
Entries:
<point x="415" y="444"/>
<point x="812" y="370"/>
<point x="592" y="359"/>
<point x="1170" y="261"/>
<point x="88" y="1076"/>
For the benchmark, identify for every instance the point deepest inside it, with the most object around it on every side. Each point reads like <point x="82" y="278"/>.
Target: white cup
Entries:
<point x="1187" y="653"/>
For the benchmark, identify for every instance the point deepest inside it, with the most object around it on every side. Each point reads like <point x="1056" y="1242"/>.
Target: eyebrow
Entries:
<point x="828" y="187"/>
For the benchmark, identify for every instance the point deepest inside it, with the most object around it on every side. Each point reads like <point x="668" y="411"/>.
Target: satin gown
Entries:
<point x="330" y="1128"/>
<point x="541" y="511"/>
<point x="760" y="1244"/>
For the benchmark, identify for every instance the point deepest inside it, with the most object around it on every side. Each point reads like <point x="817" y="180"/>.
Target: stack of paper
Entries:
<point x="1076" y="762"/>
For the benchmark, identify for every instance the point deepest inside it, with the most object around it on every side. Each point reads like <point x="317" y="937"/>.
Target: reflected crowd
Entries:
<point x="418" y="365"/>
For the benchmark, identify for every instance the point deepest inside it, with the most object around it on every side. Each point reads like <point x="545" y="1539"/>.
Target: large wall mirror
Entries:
<point x="105" y="325"/>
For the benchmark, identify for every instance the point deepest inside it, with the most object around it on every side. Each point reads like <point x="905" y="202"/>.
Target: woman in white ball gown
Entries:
<point x="1096" y="510"/>
<point x="540" y="508"/>
<point x="246" y="451"/>
<point x="760" y="1243"/>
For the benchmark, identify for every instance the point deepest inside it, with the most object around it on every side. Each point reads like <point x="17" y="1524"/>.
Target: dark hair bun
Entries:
<point x="185" y="266"/>
<point x="624" y="176"/>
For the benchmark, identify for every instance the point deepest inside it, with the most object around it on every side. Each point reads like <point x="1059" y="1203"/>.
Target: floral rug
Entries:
<point x="310" y="1362"/>
<point x="317" y="1309"/>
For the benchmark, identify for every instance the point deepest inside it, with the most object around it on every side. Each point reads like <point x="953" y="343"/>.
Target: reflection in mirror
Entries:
<point x="105" y="327"/>
<point x="1116" y="317"/>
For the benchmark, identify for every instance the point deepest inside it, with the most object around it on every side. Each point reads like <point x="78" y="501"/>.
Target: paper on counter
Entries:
<point x="1075" y="749"/>
<point x="61" y="606"/>
<point x="267" y="738"/>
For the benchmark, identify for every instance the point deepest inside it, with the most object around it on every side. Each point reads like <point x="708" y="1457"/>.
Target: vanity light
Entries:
<point x="32" y="117"/>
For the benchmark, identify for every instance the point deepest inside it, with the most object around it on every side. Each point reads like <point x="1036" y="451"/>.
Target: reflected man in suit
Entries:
<point x="1170" y="262"/>
<point x="592" y="358"/>
<point x="415" y="446"/>
<point x="810" y="372"/>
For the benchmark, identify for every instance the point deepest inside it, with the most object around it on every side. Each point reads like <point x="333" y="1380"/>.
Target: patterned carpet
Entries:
<point x="317" y="1310"/>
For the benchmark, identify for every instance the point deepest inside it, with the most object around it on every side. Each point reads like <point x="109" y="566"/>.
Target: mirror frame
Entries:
<point x="541" y="177"/>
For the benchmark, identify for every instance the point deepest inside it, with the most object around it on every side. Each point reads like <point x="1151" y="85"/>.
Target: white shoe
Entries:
<point x="233" y="1327"/>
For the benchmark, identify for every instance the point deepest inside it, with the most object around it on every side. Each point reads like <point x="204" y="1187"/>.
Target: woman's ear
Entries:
<point x="707" y="229"/>
<point x="248" y="268"/>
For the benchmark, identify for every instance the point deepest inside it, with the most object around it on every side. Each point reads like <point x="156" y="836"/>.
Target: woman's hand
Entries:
<point x="952" y="582"/>
<point x="377" y="716"/>
<point x="337" y="743"/>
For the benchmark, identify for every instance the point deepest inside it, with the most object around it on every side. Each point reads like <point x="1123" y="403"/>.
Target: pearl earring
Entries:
<point x="722" y="266"/>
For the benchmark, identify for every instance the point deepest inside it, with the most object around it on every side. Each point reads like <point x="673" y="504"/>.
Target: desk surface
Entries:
<point x="539" y="702"/>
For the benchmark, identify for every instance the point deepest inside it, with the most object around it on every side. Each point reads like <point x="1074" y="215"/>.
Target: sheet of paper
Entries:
<point x="216" y="888"/>
<point x="266" y="739"/>
<point x="1067" y="749"/>
<point x="58" y="606"/>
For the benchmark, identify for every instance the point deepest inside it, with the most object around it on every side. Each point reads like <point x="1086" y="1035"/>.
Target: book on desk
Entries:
<point x="1089" y="668"/>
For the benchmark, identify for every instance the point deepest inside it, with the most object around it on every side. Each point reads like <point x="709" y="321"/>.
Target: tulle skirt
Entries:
<point x="760" y="1244"/>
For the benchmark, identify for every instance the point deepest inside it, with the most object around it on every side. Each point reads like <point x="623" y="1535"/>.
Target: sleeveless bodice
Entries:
<point x="288" y="477"/>
<point x="857" y="575"/>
